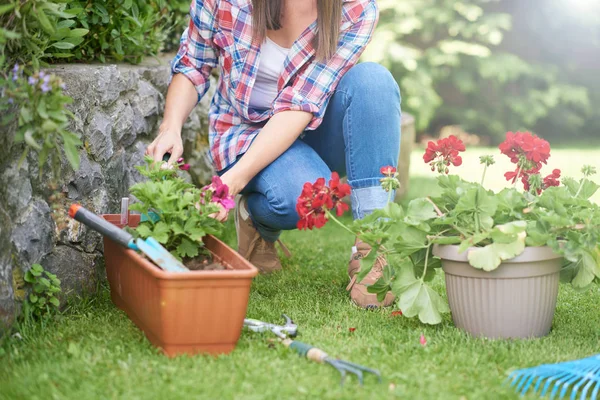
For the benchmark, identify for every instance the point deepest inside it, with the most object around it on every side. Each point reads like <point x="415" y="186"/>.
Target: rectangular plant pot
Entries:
<point x="190" y="312"/>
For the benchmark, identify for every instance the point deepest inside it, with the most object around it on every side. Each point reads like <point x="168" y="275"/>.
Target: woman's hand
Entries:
<point x="167" y="141"/>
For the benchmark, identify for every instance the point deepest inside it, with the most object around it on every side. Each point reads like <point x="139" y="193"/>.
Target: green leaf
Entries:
<point x="587" y="268"/>
<point x="393" y="211"/>
<point x="447" y="240"/>
<point x="79" y="32"/>
<point x="44" y="22"/>
<point x="417" y="298"/>
<point x="67" y="23"/>
<point x="33" y="298"/>
<point x="161" y="232"/>
<point x="144" y="230"/>
<point x="63" y="45"/>
<point x="6" y="8"/>
<point x="410" y="239"/>
<point x="366" y="264"/>
<point x="54" y="301"/>
<point x="472" y="241"/>
<point x="488" y="258"/>
<point x="419" y="210"/>
<point x="71" y="143"/>
<point x="187" y="248"/>
<point x="507" y="233"/>
<point x="588" y="189"/>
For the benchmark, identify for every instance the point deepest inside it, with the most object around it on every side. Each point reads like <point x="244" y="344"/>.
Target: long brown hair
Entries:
<point x="266" y="14"/>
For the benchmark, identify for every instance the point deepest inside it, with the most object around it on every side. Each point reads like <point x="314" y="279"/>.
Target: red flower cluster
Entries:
<point x="444" y="152"/>
<point x="388" y="170"/>
<point x="552" y="179"/>
<point x="521" y="145"/>
<point x="317" y="198"/>
<point x="528" y="152"/>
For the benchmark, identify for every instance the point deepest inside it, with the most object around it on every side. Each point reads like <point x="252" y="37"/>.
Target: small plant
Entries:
<point x="492" y="227"/>
<point x="42" y="117"/>
<point x="178" y="213"/>
<point x="43" y="297"/>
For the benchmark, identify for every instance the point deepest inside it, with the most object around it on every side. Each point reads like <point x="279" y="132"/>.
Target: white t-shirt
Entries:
<point x="272" y="59"/>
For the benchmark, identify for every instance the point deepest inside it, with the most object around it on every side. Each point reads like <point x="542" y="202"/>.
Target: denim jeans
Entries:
<point x="360" y="133"/>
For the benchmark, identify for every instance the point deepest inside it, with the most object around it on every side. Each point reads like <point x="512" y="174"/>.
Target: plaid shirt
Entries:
<point x="220" y="34"/>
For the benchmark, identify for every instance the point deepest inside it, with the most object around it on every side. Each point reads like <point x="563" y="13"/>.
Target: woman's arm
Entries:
<point x="278" y="134"/>
<point x="181" y="100"/>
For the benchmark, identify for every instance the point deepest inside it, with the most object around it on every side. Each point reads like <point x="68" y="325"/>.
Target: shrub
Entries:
<point x="120" y="30"/>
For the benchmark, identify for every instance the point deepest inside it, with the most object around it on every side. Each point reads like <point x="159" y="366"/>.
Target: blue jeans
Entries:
<point x="360" y="133"/>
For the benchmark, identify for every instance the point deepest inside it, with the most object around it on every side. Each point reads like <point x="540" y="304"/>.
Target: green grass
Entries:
<point x="93" y="351"/>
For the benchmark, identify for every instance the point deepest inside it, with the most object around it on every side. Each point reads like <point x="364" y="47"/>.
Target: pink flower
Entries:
<point x="423" y="341"/>
<point x="183" y="167"/>
<point x="221" y="193"/>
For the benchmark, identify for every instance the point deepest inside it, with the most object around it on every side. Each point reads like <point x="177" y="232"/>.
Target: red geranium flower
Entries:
<point x="552" y="179"/>
<point x="388" y="170"/>
<point x="521" y="146"/>
<point x="444" y="152"/>
<point x="317" y="198"/>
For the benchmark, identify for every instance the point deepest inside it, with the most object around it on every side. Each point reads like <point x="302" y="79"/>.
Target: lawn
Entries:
<point x="93" y="351"/>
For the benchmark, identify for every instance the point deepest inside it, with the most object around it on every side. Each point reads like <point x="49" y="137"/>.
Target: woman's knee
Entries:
<point x="370" y="79"/>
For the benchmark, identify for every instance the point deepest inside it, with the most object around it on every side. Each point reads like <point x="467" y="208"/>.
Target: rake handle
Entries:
<point x="306" y="350"/>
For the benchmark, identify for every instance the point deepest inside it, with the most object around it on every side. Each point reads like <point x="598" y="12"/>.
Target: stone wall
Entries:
<point x="117" y="109"/>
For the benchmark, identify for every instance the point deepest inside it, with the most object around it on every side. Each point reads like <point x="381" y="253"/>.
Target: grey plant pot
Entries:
<point x="517" y="300"/>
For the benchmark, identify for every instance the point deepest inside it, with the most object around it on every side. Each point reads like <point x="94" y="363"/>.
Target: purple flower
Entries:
<point x="45" y="88"/>
<point x="46" y="78"/>
<point x="32" y="80"/>
<point x="15" y="68"/>
<point x="11" y="100"/>
<point x="42" y="74"/>
<point x="15" y="77"/>
<point x="63" y="86"/>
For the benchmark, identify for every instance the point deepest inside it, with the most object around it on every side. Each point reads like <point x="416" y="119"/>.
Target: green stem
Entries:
<point x="518" y="173"/>
<point x="483" y="176"/>
<point x="337" y="221"/>
<point x="389" y="199"/>
<point x="579" y="190"/>
<point x="426" y="262"/>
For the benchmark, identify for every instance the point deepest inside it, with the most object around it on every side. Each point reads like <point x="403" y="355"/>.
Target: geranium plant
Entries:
<point x="176" y="213"/>
<point x="536" y="210"/>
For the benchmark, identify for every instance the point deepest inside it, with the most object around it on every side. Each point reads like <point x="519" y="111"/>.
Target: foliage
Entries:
<point x="120" y="30"/>
<point x="32" y="32"/>
<point x="179" y="11"/>
<point x="178" y="214"/>
<point x="45" y="287"/>
<point x="491" y="227"/>
<point x="39" y="104"/>
<point x="446" y="58"/>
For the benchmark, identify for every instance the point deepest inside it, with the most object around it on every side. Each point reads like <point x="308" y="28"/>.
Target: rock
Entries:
<point x="7" y="306"/>
<point x="147" y="99"/>
<point x="86" y="180"/>
<point x="135" y="156"/>
<point x="77" y="271"/>
<point x="158" y="77"/>
<point x="116" y="173"/>
<point x="16" y="187"/>
<point x="98" y="136"/>
<point x="122" y="116"/>
<point x="33" y="235"/>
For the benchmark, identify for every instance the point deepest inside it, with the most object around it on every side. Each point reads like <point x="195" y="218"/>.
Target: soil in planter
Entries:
<point x="204" y="262"/>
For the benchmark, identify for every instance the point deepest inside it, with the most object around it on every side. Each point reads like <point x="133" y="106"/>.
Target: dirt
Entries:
<point x="203" y="263"/>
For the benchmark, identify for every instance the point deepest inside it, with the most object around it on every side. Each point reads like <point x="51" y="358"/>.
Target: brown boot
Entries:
<point x="358" y="291"/>
<point x="260" y="252"/>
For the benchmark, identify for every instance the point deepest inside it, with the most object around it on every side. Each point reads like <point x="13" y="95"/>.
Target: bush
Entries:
<point x="120" y="30"/>
<point x="179" y="12"/>
<point x="445" y="55"/>
<point x="32" y="32"/>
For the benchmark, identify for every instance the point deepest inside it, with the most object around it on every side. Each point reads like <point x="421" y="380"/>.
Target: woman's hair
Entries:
<point x="266" y="14"/>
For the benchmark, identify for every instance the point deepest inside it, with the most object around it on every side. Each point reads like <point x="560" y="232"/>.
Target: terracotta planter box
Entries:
<point x="517" y="300"/>
<point x="190" y="312"/>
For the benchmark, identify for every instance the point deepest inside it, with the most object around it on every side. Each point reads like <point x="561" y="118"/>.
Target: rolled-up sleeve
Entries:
<point x="311" y="89"/>
<point x="197" y="55"/>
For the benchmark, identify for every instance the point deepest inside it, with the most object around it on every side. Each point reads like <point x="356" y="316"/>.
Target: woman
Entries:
<point x="292" y="105"/>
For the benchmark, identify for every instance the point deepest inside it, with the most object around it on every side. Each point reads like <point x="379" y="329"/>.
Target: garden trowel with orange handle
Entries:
<point x="149" y="247"/>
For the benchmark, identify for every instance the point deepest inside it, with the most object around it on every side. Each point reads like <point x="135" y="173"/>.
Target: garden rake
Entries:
<point x="287" y="332"/>
<point x="571" y="376"/>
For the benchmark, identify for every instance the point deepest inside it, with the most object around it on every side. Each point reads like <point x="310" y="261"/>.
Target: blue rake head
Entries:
<point x="574" y="377"/>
